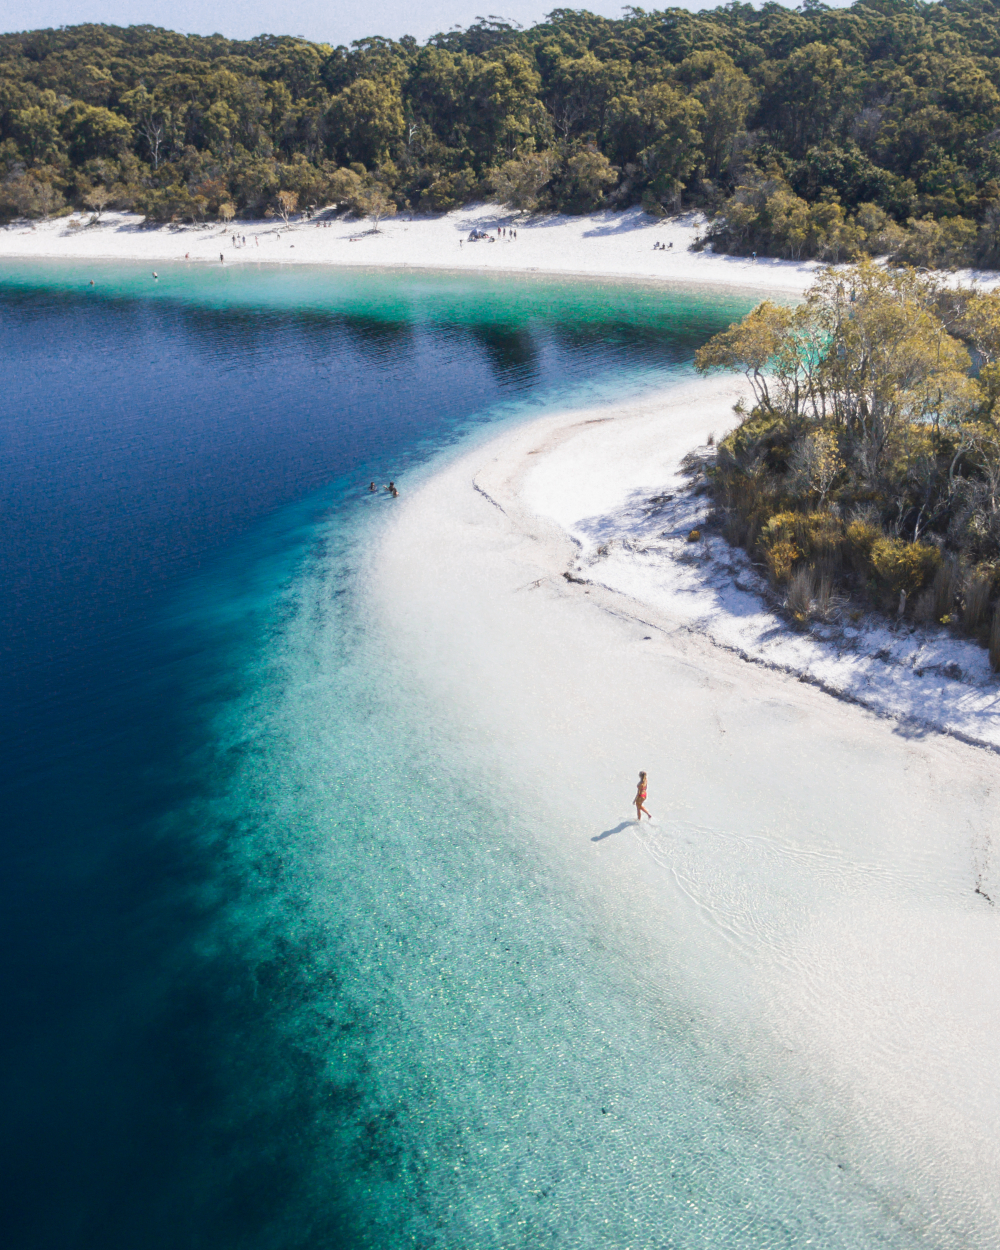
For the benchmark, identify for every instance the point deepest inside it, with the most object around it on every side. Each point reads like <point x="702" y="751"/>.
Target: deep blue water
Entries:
<point x="174" y="457"/>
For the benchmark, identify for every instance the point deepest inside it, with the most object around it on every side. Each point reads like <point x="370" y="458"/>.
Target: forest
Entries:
<point x="813" y="131"/>
<point x="866" y="473"/>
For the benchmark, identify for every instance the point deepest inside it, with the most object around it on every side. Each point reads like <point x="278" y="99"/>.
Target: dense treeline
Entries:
<point x="805" y="132"/>
<point x="869" y="465"/>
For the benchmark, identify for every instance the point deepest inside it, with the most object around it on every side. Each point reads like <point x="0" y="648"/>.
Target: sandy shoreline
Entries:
<point x="612" y="484"/>
<point x="599" y="245"/>
<point x="815" y="865"/>
<point x="631" y="530"/>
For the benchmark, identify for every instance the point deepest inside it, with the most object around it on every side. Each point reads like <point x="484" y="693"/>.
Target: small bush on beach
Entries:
<point x="782" y="556"/>
<point x="861" y="538"/>
<point x="869" y="462"/>
<point x="900" y="565"/>
<point x="788" y="537"/>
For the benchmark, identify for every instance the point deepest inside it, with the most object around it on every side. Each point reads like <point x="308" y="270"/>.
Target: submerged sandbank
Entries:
<point x="811" y="873"/>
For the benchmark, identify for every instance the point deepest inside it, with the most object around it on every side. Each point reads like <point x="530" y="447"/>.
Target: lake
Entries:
<point x="283" y="969"/>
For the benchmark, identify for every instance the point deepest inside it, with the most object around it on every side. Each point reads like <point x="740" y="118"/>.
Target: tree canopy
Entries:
<point x="809" y="131"/>
<point x="870" y="462"/>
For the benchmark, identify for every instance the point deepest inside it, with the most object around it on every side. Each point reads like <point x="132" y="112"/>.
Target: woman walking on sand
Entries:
<point x="640" y="798"/>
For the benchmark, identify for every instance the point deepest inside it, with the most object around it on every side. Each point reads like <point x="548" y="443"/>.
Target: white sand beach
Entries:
<point x="812" y="866"/>
<point x="821" y="869"/>
<point x="607" y="244"/>
<point x="631" y="524"/>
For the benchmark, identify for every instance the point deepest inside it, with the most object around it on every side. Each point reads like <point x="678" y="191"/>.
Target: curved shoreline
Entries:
<point x="606" y="245"/>
<point x="761" y="785"/>
<point x="630" y="529"/>
<point x="922" y="677"/>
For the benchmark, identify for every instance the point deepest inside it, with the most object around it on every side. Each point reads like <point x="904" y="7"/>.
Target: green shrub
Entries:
<point x="780" y="527"/>
<point x="822" y="533"/>
<point x="788" y="537"/>
<point x="861" y="537"/>
<point x="900" y="565"/>
<point x="760" y="432"/>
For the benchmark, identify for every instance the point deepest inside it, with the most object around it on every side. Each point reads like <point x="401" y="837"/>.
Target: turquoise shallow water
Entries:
<point x="290" y="968"/>
<point x="505" y="1071"/>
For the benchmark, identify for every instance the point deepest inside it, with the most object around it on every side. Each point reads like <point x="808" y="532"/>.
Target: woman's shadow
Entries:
<point x="608" y="832"/>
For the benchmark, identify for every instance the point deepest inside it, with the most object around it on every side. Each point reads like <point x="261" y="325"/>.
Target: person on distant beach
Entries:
<point x="222" y="258"/>
<point x="640" y="798"/>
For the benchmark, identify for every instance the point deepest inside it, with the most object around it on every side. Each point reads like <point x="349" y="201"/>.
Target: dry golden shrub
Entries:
<point x="861" y="537"/>
<point x="901" y="565"/>
<point x="781" y="558"/>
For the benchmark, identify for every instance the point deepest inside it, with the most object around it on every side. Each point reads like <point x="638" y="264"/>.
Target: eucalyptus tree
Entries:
<point x="873" y="129"/>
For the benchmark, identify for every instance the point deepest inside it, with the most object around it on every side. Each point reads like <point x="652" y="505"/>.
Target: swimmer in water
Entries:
<point x="372" y="487"/>
<point x="640" y="798"/>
